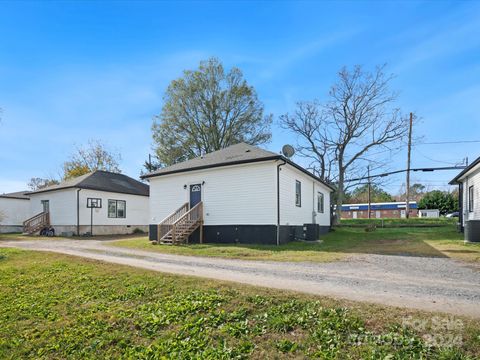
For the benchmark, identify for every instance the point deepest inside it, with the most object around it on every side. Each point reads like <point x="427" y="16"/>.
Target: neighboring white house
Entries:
<point x="14" y="209"/>
<point x="248" y="195"/>
<point x="123" y="204"/>
<point x="469" y="192"/>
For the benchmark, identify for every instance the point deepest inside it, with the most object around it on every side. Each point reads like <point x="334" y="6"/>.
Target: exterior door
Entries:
<point x="46" y="206"/>
<point x="195" y="194"/>
<point x="354" y="215"/>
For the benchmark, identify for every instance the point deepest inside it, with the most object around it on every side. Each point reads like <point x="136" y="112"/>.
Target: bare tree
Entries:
<point x="94" y="156"/>
<point x="339" y="135"/>
<point x="37" y="183"/>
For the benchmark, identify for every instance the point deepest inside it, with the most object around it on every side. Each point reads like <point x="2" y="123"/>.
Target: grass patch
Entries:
<point x="55" y="306"/>
<point x="336" y="245"/>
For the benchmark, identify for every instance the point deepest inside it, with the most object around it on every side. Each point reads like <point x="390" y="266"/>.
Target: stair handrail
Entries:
<point x="192" y="210"/>
<point x="34" y="216"/>
<point x="36" y="222"/>
<point x="165" y="226"/>
<point x="164" y="221"/>
<point x="197" y="209"/>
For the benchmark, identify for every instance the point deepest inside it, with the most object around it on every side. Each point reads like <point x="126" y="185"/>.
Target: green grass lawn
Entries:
<point x="55" y="306"/>
<point x="441" y="241"/>
<point x="402" y="222"/>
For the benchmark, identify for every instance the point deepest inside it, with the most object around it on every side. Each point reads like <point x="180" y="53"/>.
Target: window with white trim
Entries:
<point x="470" y="199"/>
<point x="298" y="193"/>
<point x="320" y="202"/>
<point x="117" y="209"/>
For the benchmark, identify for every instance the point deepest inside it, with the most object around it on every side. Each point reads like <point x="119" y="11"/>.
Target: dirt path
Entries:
<point x="435" y="284"/>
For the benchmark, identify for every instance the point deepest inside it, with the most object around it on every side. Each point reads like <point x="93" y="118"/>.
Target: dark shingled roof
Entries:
<point x="464" y="171"/>
<point x="102" y="181"/>
<point x="22" y="195"/>
<point x="241" y="153"/>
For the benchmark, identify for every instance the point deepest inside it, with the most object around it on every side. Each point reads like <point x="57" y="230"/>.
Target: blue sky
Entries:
<point x="74" y="71"/>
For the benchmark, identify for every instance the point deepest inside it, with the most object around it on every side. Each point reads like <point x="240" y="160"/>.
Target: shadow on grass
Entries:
<point x="385" y="241"/>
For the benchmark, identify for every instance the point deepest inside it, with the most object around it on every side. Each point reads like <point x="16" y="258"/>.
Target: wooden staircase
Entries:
<point x="177" y="227"/>
<point x="36" y="223"/>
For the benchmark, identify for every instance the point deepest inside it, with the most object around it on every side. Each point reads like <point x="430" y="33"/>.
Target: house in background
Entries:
<point x="240" y="194"/>
<point x="14" y="209"/>
<point x="99" y="202"/>
<point x="379" y="210"/>
<point x="468" y="181"/>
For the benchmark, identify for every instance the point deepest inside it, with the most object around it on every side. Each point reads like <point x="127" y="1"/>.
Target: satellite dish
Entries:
<point x="288" y="151"/>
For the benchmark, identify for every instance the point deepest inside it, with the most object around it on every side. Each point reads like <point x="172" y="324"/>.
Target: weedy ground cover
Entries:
<point x="55" y="306"/>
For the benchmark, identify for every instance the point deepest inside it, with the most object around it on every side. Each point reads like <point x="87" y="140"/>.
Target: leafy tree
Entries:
<point x="206" y="110"/>
<point x="93" y="156"/>
<point x="360" y="195"/>
<point x="337" y="136"/>
<point x="37" y="183"/>
<point x="442" y="200"/>
<point x="416" y="192"/>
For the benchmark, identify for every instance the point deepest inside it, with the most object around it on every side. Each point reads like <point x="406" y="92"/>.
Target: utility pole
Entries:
<point x="369" y="193"/>
<point x="407" y="202"/>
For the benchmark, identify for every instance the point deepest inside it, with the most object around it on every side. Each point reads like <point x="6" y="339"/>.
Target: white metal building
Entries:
<point x="469" y="186"/>
<point x="123" y="204"/>
<point x="429" y="213"/>
<point x="14" y="209"/>
<point x="248" y="195"/>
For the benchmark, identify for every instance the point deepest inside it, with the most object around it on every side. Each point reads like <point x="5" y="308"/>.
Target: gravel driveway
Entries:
<point x="435" y="284"/>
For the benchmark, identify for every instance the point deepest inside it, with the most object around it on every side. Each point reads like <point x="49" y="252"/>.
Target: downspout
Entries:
<point x="78" y="212"/>
<point x="278" y="201"/>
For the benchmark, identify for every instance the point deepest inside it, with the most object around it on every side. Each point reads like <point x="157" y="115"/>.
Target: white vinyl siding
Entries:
<point x="471" y="181"/>
<point x="232" y="195"/>
<point x="244" y="194"/>
<point x="290" y="214"/>
<point x="135" y="212"/>
<point x="14" y="211"/>
<point x="63" y="207"/>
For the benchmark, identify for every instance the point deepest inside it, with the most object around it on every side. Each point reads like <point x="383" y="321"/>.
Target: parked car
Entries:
<point x="452" y="215"/>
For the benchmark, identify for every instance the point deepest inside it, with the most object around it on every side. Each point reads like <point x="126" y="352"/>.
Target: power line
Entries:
<point x="405" y="170"/>
<point x="440" y="161"/>
<point x="449" y="142"/>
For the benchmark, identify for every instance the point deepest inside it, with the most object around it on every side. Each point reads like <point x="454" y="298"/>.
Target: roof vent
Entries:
<point x="248" y="150"/>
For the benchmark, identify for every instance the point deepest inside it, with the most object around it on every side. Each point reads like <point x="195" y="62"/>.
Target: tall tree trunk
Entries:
<point x="340" y="194"/>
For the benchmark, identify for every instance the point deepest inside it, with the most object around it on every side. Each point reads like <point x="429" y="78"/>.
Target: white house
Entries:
<point x="99" y="203"/>
<point x="241" y="194"/>
<point x="469" y="192"/>
<point x="14" y="209"/>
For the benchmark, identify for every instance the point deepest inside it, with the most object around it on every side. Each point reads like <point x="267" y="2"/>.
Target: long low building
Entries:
<point x="98" y="203"/>
<point x="379" y="210"/>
